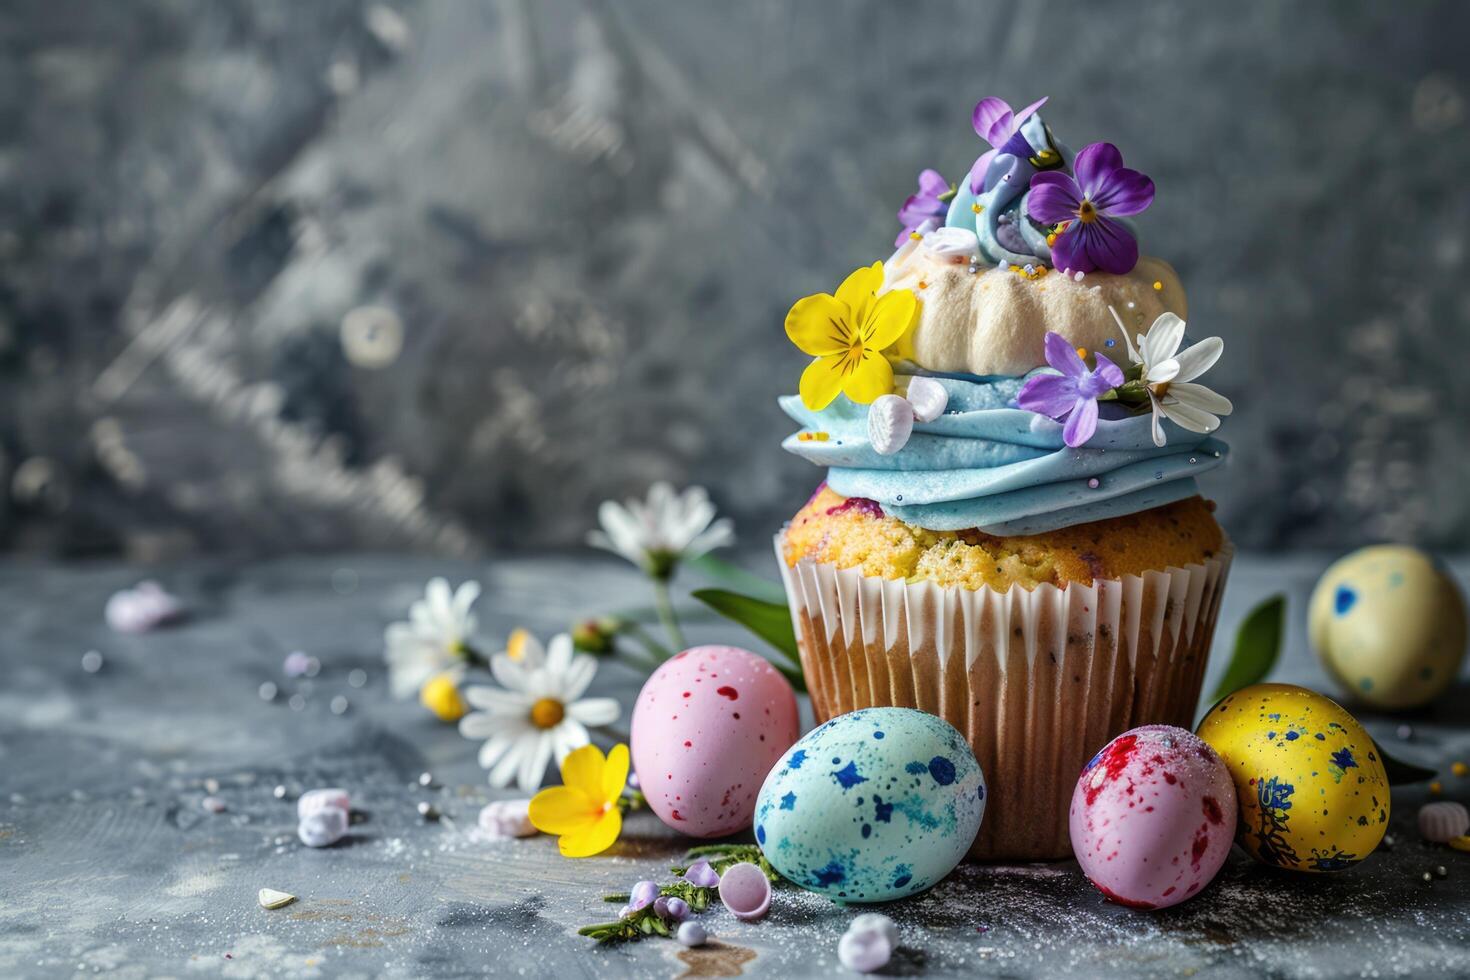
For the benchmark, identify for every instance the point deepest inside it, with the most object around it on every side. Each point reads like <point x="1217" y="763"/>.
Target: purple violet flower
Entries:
<point x="997" y="125"/>
<point x="1071" y="395"/>
<point x="701" y="874"/>
<point x="1103" y="189"/>
<point x="644" y="894"/>
<point x="924" y="205"/>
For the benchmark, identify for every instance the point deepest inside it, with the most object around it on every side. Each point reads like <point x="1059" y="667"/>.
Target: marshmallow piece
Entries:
<point x="213" y="804"/>
<point x="692" y="934"/>
<point x="864" y="951"/>
<point x="316" y="799"/>
<point x="928" y="398"/>
<point x="876" y="922"/>
<point x="141" y="608"/>
<point x="323" y="828"/>
<point x="890" y="423"/>
<point x="1442" y="820"/>
<point x="506" y="818"/>
<point x="269" y="898"/>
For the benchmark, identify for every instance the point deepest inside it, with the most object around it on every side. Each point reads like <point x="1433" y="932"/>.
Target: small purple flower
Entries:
<point x="671" y="908"/>
<point x="701" y="874"/>
<point x="1071" y="395"/>
<point x="923" y="206"/>
<point x="997" y="125"/>
<point x="644" y="894"/>
<point x="1103" y="189"/>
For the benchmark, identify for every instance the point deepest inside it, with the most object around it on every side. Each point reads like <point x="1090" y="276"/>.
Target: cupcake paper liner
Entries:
<point x="1037" y="680"/>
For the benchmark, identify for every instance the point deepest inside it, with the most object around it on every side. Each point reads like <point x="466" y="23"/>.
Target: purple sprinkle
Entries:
<point x="1093" y="484"/>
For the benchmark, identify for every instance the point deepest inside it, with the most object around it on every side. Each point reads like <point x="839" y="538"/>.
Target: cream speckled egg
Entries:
<point x="1389" y="626"/>
<point x="1312" y="790"/>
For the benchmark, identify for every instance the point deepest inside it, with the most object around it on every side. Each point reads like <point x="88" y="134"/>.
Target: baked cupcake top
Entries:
<point x="1015" y="366"/>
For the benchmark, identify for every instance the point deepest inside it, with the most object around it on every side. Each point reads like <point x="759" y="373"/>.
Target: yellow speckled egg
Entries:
<point x="1312" y="791"/>
<point x="1389" y="626"/>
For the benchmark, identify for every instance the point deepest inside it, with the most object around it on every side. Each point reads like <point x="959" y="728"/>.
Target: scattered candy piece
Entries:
<point x="141" y="608"/>
<point x="1442" y="820"/>
<point x="426" y="779"/>
<point x="319" y="799"/>
<point x="890" y="423"/>
<point x="864" y="951"/>
<point x="876" y="921"/>
<point x="506" y="818"/>
<point x="928" y="398"/>
<point x="279" y="792"/>
<point x="745" y="890"/>
<point x="1459" y="769"/>
<point x="267" y="691"/>
<point x="92" y="661"/>
<point x="269" y="898"/>
<point x="1459" y="843"/>
<point x="1404" y="732"/>
<point x="427" y="810"/>
<point x="213" y="804"/>
<point x="1441" y="872"/>
<point x="323" y="827"/>
<point x="1436" y="788"/>
<point x="692" y="934"/>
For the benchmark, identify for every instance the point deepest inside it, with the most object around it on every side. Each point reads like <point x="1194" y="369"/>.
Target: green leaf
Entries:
<point x="1402" y="773"/>
<point x="770" y="621"/>
<point x="1257" y="644"/>
<point x="738" y="579"/>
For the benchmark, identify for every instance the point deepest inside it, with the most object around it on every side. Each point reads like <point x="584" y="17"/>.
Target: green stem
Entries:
<point x="665" y="605"/>
<point x="657" y="650"/>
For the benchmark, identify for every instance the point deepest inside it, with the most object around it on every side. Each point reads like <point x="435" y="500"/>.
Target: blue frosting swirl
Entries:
<point x="987" y="464"/>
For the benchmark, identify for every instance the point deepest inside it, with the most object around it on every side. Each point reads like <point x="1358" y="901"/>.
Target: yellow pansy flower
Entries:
<point x="584" y="812"/>
<point x="847" y="336"/>
<point x="440" y="694"/>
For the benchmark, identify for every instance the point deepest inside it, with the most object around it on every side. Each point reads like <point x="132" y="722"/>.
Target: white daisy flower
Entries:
<point x="657" y="533"/>
<point x="434" y="640"/>
<point x="538" y="713"/>
<point x="1169" y="373"/>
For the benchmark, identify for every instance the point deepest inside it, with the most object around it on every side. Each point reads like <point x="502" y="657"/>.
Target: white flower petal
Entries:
<point x="496" y="701"/>
<point x="464" y="598"/>
<point x="1198" y="396"/>
<point x="1199" y="358"/>
<point x="1191" y="418"/>
<point x="505" y="770"/>
<point x="510" y="674"/>
<point x="559" y="654"/>
<point x="484" y="724"/>
<point x="534" y="762"/>
<point x="440" y="599"/>
<point x="1163" y="338"/>
<point x="595" y="711"/>
<point x="1133" y="356"/>
<point x="1165" y="370"/>
<point x="1158" y="427"/>
<point x="578" y="677"/>
<point x="495" y="748"/>
<point x="567" y="737"/>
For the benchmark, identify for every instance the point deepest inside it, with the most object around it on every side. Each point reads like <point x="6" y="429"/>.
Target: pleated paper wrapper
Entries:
<point x="1037" y="680"/>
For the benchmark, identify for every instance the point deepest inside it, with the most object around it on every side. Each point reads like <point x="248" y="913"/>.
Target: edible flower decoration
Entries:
<point x="1168" y="374"/>
<point x="584" y="812"/>
<point x="930" y="204"/>
<point x="1084" y="207"/>
<point x="847" y="336"/>
<point x="1071" y="394"/>
<point x="997" y="125"/>
<point x="537" y="713"/>
<point x="1160" y="378"/>
<point x="435" y="641"/>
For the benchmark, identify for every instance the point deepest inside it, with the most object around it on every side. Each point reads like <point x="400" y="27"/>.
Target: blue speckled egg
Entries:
<point x="874" y="805"/>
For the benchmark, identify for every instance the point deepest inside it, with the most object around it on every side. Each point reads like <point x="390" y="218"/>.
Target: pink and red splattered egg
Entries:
<point x="707" y="727"/>
<point x="1153" y="817"/>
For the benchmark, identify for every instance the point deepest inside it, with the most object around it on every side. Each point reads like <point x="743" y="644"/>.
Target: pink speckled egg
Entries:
<point x="707" y="727"/>
<point x="1153" y="816"/>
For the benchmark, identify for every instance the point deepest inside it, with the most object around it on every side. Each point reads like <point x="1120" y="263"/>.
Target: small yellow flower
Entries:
<point x="440" y="695"/>
<point x="847" y="335"/>
<point x="584" y="812"/>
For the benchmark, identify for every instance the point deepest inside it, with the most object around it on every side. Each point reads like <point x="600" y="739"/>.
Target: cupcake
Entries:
<point x="1010" y="534"/>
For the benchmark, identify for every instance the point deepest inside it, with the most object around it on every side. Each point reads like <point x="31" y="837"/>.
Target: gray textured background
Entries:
<point x="588" y="218"/>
